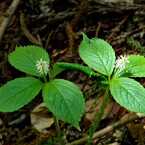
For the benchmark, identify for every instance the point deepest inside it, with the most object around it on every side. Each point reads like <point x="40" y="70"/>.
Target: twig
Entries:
<point x="27" y="33"/>
<point x="98" y="29"/>
<point x="48" y="40"/>
<point x="116" y="28"/>
<point x="24" y="137"/>
<point x="71" y="36"/>
<point x="43" y="137"/>
<point x="83" y="9"/>
<point x="99" y="116"/>
<point x="140" y="28"/>
<point x="72" y="25"/>
<point x="108" y="129"/>
<point x="9" y="13"/>
<point x="121" y="39"/>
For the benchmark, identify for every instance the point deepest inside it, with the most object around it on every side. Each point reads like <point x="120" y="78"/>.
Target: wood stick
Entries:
<point x="8" y="15"/>
<point x="108" y="129"/>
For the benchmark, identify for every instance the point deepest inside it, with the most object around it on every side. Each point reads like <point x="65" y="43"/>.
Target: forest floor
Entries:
<point x="57" y="26"/>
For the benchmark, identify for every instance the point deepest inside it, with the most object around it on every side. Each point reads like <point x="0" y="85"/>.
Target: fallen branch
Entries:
<point x="8" y="15"/>
<point x="108" y="129"/>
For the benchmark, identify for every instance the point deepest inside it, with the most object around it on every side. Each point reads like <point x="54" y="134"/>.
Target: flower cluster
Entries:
<point x="42" y="67"/>
<point x="121" y="61"/>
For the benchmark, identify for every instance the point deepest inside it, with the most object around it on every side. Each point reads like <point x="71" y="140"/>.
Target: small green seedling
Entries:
<point x="100" y="56"/>
<point x="62" y="97"/>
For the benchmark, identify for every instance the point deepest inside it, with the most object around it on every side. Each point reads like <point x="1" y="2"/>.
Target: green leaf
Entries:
<point x="77" y="67"/>
<point x="25" y="59"/>
<point x="129" y="94"/>
<point x="64" y="100"/>
<point x="97" y="54"/>
<point x="56" y="70"/>
<point x="136" y="66"/>
<point x="19" y="92"/>
<point x="61" y="66"/>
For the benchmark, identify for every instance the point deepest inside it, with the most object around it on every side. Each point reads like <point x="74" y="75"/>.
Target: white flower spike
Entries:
<point x="42" y="67"/>
<point x="121" y="61"/>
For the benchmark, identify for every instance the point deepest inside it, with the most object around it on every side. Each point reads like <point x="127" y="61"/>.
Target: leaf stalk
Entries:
<point x="58" y="130"/>
<point x="99" y="115"/>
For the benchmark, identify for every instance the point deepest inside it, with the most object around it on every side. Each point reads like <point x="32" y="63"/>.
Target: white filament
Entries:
<point x="121" y="62"/>
<point x="42" y="67"/>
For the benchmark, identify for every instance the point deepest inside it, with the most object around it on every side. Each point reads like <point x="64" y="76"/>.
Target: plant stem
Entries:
<point x="108" y="79"/>
<point x="99" y="115"/>
<point x="84" y="69"/>
<point x="58" y="131"/>
<point x="55" y="121"/>
<point x="45" y="78"/>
